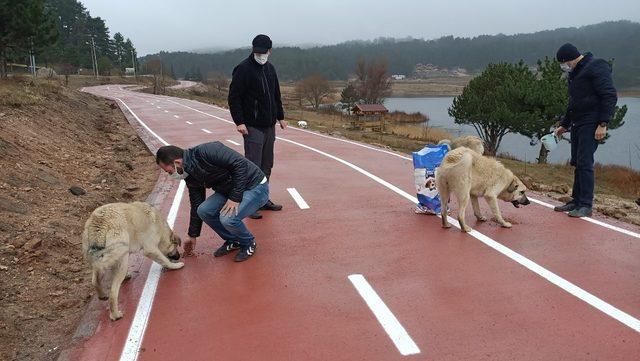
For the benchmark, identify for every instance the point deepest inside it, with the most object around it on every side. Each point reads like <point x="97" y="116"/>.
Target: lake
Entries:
<point x="622" y="148"/>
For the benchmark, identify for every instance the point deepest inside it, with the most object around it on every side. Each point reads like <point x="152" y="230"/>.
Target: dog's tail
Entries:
<point x="102" y="251"/>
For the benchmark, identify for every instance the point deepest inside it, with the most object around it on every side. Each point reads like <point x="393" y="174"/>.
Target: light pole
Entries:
<point x="133" y="61"/>
<point x="94" y="57"/>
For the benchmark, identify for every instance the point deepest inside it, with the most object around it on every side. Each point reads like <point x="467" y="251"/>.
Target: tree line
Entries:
<point x="60" y="33"/>
<point x="334" y="62"/>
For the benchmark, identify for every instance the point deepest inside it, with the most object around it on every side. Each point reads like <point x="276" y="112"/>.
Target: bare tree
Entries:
<point x="313" y="89"/>
<point x="218" y="80"/>
<point x="373" y="82"/>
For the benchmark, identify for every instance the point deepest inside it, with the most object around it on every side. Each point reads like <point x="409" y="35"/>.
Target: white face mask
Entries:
<point x="177" y="176"/>
<point x="261" y="58"/>
<point x="565" y="67"/>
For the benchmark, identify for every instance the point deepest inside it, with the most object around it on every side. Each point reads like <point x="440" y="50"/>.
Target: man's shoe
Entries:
<point x="226" y="248"/>
<point x="246" y="252"/>
<point x="580" y="212"/>
<point x="565" y="208"/>
<point x="270" y="206"/>
<point x="256" y="215"/>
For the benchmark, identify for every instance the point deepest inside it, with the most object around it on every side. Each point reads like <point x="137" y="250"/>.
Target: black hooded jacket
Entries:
<point x="592" y="96"/>
<point x="254" y="94"/>
<point x="216" y="166"/>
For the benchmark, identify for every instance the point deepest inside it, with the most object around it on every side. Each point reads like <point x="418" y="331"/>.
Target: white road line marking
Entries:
<point x="233" y="142"/>
<point x="591" y="220"/>
<point x="206" y="130"/>
<point x="176" y="116"/>
<point x="166" y="111"/>
<point x="188" y="122"/>
<point x="142" y="123"/>
<point x="588" y="219"/>
<point x="159" y="107"/>
<point x="131" y="347"/>
<point x="569" y="287"/>
<point x="385" y="317"/>
<point x="298" y="198"/>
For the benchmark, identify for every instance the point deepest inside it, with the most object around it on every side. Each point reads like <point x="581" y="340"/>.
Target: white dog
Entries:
<point x="302" y="124"/>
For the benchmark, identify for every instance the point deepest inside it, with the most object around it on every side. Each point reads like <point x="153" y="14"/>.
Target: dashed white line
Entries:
<point x="298" y="198"/>
<point x="206" y="130"/>
<point x="166" y="111"/>
<point x="176" y="116"/>
<point x="233" y="142"/>
<point x="385" y="317"/>
<point x="188" y="122"/>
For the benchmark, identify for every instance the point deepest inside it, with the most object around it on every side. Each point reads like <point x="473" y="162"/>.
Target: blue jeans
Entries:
<point x="230" y="227"/>
<point x="583" y="147"/>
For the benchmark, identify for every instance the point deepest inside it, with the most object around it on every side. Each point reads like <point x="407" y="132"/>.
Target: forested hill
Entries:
<point x="619" y="40"/>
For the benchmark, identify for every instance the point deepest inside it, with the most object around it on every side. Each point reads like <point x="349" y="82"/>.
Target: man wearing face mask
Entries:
<point x="592" y="101"/>
<point x="256" y="107"/>
<point x="240" y="190"/>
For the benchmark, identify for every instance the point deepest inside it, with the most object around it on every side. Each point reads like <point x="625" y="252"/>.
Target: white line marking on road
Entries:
<point x="131" y="347"/>
<point x="233" y="142"/>
<point x="298" y="198"/>
<point x="176" y="116"/>
<point x="166" y="111"/>
<point x="206" y="130"/>
<point x="569" y="287"/>
<point x="588" y="219"/>
<point x="188" y="122"/>
<point x="142" y="123"/>
<point x="385" y="317"/>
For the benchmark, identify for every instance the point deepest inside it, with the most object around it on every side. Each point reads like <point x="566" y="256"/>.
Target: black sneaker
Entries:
<point x="580" y="212"/>
<point x="270" y="206"/>
<point x="256" y="215"/>
<point x="246" y="252"/>
<point x="226" y="248"/>
<point x="565" y="208"/>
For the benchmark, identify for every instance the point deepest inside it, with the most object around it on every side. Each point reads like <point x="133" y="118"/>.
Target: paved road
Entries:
<point x="347" y="272"/>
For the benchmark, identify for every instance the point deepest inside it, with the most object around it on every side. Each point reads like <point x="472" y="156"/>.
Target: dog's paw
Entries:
<point x="103" y="298"/>
<point x="177" y="265"/>
<point x="481" y="218"/>
<point x="115" y="316"/>
<point x="446" y="225"/>
<point x="506" y="225"/>
<point x="466" y="229"/>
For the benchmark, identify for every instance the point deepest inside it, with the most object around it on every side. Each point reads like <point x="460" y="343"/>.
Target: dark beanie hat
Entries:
<point x="567" y="52"/>
<point x="261" y="44"/>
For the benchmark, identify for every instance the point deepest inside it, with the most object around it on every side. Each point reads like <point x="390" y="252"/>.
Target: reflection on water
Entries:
<point x="623" y="147"/>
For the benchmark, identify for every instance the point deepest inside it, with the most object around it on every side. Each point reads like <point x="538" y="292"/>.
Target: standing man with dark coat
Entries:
<point x="256" y="107"/>
<point x="592" y="101"/>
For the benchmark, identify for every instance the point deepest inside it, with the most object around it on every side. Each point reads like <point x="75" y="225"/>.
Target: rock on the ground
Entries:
<point x="77" y="191"/>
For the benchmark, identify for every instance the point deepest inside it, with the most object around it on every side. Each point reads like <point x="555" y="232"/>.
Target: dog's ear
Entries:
<point x="175" y="239"/>
<point x="513" y="186"/>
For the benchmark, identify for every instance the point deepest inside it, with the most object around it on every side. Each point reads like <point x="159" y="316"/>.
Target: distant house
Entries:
<point x="129" y="71"/>
<point x="369" y="116"/>
<point x="398" y="76"/>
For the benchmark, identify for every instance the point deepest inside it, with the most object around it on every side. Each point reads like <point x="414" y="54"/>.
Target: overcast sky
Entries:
<point x="192" y="24"/>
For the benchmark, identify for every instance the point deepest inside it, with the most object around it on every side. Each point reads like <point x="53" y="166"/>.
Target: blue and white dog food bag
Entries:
<point x="425" y="163"/>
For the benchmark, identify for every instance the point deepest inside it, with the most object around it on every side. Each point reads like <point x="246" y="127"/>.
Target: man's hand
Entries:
<point x="189" y="245"/>
<point x="230" y="208"/>
<point x="242" y="129"/>
<point x="283" y="124"/>
<point x="601" y="132"/>
<point x="559" y="131"/>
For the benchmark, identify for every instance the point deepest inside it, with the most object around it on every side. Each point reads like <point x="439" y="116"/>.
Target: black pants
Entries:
<point x="258" y="147"/>
<point x="583" y="147"/>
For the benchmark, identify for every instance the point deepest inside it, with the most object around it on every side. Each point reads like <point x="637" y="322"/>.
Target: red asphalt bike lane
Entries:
<point x="456" y="297"/>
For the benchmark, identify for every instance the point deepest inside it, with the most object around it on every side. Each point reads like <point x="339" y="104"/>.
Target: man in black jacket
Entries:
<point x="240" y="190"/>
<point x="592" y="101"/>
<point x="255" y="105"/>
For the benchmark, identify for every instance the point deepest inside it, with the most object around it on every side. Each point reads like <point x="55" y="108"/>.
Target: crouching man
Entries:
<point x="240" y="188"/>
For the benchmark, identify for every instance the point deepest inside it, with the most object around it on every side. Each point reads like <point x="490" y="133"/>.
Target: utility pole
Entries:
<point x="133" y="60"/>
<point x="161" y="75"/>
<point x="32" y="59"/>
<point x="94" y="57"/>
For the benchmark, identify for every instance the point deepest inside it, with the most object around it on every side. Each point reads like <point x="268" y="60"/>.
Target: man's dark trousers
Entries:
<point x="258" y="147"/>
<point x="583" y="147"/>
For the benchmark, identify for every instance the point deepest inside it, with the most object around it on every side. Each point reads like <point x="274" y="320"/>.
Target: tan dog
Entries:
<point x="469" y="141"/>
<point x="113" y="231"/>
<point x="467" y="174"/>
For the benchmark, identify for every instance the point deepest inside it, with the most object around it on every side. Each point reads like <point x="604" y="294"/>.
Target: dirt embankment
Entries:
<point x="53" y="139"/>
